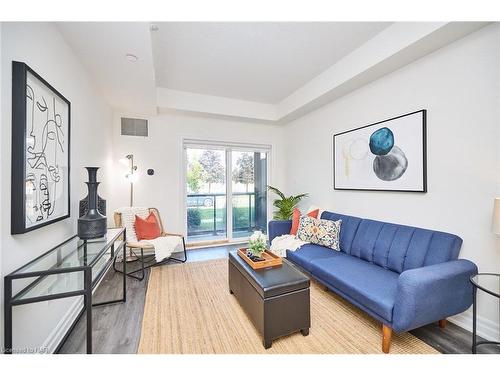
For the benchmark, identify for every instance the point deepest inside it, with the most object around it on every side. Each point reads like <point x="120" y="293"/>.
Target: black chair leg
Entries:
<point x="144" y="267"/>
<point x="131" y="273"/>
<point x="185" y="253"/>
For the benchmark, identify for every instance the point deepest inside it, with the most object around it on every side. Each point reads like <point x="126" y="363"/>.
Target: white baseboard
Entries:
<point x="486" y="328"/>
<point x="57" y="335"/>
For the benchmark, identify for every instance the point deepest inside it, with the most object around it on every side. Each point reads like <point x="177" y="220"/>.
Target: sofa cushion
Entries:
<point x="400" y="247"/>
<point x="306" y="253"/>
<point x="393" y="246"/>
<point x="347" y="229"/>
<point x="370" y="285"/>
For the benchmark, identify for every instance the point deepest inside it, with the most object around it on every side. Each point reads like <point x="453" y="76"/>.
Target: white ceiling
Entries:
<point x="272" y="72"/>
<point x="256" y="61"/>
<point x="102" y="46"/>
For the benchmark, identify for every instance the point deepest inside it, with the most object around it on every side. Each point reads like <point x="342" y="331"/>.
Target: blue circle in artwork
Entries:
<point x="381" y="141"/>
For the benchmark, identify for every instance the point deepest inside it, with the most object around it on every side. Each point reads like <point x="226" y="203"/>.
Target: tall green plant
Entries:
<point x="285" y="205"/>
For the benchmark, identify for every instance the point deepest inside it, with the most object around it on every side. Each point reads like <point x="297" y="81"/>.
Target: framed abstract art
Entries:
<point x="388" y="155"/>
<point x="41" y="119"/>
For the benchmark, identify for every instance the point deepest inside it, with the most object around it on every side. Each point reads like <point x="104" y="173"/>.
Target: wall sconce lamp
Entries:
<point x="130" y="176"/>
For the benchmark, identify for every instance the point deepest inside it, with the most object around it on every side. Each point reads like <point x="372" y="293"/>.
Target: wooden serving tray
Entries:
<point x="271" y="260"/>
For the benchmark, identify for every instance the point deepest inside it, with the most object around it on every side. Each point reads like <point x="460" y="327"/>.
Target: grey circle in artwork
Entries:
<point x="392" y="166"/>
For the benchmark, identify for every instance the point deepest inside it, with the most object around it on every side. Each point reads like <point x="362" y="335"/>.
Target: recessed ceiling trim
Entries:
<point x="398" y="45"/>
<point x="395" y="47"/>
<point x="253" y="61"/>
<point x="135" y="89"/>
<point x="192" y="102"/>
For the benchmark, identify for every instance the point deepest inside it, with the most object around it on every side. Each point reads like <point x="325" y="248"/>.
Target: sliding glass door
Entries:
<point x="249" y="203"/>
<point x="206" y="198"/>
<point x="225" y="192"/>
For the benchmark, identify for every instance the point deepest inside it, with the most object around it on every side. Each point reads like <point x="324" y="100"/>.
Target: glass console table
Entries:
<point x="489" y="283"/>
<point x="73" y="268"/>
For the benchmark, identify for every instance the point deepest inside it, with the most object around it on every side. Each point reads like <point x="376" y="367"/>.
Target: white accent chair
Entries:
<point x="146" y="261"/>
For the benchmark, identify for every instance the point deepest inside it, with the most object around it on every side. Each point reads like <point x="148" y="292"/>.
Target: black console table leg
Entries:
<point x="305" y="331"/>
<point x="124" y="252"/>
<point x="88" y="307"/>
<point x="474" y="312"/>
<point x="7" y="316"/>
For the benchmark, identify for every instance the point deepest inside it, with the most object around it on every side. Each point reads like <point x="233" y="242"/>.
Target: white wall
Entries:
<point x="1" y="200"/>
<point x="42" y="47"/>
<point x="162" y="151"/>
<point x="459" y="85"/>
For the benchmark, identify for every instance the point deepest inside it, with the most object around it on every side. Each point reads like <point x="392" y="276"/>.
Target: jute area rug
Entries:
<point x="189" y="310"/>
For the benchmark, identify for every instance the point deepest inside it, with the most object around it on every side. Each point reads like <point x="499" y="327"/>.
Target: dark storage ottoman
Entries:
<point x="276" y="299"/>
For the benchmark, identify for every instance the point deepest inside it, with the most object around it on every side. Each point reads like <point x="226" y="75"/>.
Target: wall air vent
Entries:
<point x="134" y="126"/>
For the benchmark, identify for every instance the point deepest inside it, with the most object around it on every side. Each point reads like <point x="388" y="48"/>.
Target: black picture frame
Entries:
<point x="20" y="72"/>
<point x="424" y="154"/>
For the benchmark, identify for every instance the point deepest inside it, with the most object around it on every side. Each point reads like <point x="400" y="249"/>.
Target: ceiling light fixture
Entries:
<point x="131" y="58"/>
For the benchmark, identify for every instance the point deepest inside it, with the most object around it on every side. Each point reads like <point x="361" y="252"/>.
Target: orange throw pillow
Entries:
<point x="296" y="219"/>
<point x="147" y="229"/>
<point x="314" y="213"/>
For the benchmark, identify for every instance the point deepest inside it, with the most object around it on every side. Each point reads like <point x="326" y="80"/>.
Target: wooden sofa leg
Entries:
<point x="442" y="323"/>
<point x="386" y="338"/>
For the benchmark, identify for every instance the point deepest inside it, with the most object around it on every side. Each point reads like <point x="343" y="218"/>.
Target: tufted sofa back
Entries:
<point x="393" y="246"/>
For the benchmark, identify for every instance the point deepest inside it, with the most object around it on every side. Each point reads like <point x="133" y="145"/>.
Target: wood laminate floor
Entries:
<point x="117" y="328"/>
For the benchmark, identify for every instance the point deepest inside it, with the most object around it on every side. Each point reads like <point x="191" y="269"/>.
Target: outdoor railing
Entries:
<point x="206" y="215"/>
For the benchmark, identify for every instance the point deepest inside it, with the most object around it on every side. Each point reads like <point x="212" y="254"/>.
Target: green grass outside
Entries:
<point x="240" y="218"/>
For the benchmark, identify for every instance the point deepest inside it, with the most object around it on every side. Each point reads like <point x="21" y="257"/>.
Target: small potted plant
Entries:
<point x="285" y="205"/>
<point x="256" y="246"/>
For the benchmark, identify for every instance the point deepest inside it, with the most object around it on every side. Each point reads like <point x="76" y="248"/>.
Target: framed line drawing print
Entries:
<point x="388" y="155"/>
<point x="41" y="118"/>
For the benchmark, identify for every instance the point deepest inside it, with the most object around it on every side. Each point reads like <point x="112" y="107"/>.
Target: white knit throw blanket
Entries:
<point x="164" y="246"/>
<point x="281" y="244"/>
<point x="128" y="219"/>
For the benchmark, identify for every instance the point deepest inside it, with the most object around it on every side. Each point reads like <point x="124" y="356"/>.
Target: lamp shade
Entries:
<point x="124" y="161"/>
<point x="496" y="216"/>
<point x="131" y="177"/>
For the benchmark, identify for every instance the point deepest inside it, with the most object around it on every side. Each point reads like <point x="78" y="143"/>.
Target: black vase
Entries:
<point x="84" y="205"/>
<point x="93" y="223"/>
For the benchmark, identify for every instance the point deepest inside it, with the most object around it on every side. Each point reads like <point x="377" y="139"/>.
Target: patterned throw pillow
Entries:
<point x="319" y="231"/>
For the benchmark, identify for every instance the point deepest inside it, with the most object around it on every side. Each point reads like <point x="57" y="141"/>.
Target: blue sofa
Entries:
<point x="405" y="277"/>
